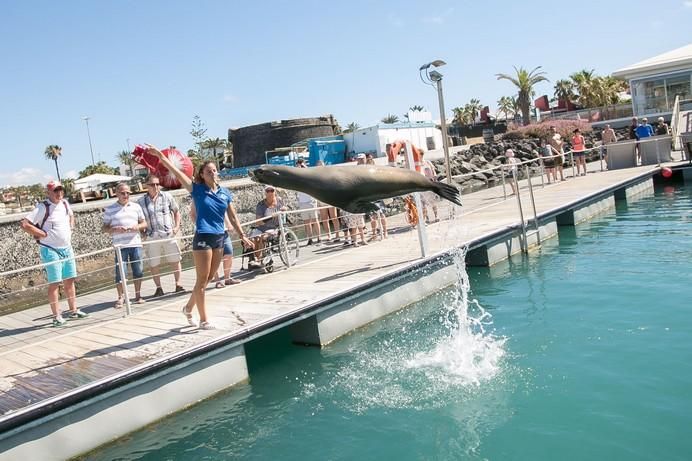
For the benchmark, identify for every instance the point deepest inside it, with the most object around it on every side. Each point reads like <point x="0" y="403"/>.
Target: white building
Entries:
<point x="374" y="139"/>
<point x="655" y="82"/>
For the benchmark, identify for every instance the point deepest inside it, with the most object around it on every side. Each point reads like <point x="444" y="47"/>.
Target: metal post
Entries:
<point x="123" y="280"/>
<point x="571" y="159"/>
<point x="533" y="204"/>
<point x="91" y="148"/>
<point x="600" y="156"/>
<point x="422" y="234"/>
<point x="443" y="125"/>
<point x="524" y="245"/>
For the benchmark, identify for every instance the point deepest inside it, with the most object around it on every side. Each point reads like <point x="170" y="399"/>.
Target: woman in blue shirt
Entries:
<point x="212" y="202"/>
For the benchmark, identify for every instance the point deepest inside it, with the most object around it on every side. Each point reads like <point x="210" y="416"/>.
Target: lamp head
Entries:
<point x="435" y="63"/>
<point x="435" y="76"/>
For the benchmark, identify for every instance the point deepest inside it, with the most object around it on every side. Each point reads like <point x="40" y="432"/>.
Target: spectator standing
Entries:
<point x="643" y="131"/>
<point x="428" y="198"/>
<point x="662" y="128"/>
<point x="633" y="128"/>
<point x="51" y="223"/>
<point x="212" y="203"/>
<point x="124" y="220"/>
<point x="329" y="215"/>
<point x="607" y="137"/>
<point x="548" y="161"/>
<point x="309" y="218"/>
<point x="163" y="224"/>
<point x="555" y="142"/>
<point x="579" y="151"/>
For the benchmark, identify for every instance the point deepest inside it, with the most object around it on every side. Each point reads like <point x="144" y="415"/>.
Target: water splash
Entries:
<point x="422" y="358"/>
<point x="468" y="354"/>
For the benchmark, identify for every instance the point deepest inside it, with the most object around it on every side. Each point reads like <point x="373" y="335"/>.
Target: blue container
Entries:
<point x="330" y="149"/>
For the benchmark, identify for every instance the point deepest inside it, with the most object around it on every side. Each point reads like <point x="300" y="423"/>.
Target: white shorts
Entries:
<point x="158" y="249"/>
<point x="307" y="215"/>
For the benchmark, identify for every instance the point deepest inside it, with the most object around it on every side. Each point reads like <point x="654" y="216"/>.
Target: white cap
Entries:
<point x="509" y="153"/>
<point x="360" y="156"/>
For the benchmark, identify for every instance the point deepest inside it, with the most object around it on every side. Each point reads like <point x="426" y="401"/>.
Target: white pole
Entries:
<point x="422" y="234"/>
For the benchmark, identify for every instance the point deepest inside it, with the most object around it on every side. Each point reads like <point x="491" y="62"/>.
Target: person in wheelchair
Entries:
<point x="268" y="229"/>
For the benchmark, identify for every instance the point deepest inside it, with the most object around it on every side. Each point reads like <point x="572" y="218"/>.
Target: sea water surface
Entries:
<point x="582" y="350"/>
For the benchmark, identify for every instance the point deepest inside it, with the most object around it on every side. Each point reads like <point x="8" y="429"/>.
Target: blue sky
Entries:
<point x="142" y="69"/>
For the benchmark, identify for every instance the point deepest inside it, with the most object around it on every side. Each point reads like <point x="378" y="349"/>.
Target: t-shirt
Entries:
<point x="662" y="129"/>
<point x="305" y="199"/>
<point x="159" y="213"/>
<point x="644" y="131"/>
<point x="556" y="142"/>
<point x="578" y="143"/>
<point x="211" y="207"/>
<point x="128" y="216"/>
<point x="263" y="210"/>
<point x="57" y="225"/>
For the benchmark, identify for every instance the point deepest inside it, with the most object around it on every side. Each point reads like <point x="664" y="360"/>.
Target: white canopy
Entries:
<point x="98" y="179"/>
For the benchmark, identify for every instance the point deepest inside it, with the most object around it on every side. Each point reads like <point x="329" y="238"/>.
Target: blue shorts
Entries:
<point x="207" y="242"/>
<point x="134" y="257"/>
<point x="63" y="265"/>
<point x="227" y="245"/>
<point x="579" y="154"/>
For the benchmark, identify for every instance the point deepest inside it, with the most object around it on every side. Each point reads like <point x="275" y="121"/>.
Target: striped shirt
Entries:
<point x="128" y="216"/>
<point x="159" y="213"/>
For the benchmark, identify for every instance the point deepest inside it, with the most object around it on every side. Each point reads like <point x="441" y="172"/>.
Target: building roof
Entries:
<point x="677" y="59"/>
<point x="398" y="125"/>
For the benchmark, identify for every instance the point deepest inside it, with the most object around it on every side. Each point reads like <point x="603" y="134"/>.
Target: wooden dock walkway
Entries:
<point x="39" y="362"/>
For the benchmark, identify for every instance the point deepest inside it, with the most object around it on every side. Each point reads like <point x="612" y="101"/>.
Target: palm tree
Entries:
<point x="506" y="105"/>
<point x="525" y="81"/>
<point x="351" y="127"/>
<point x="53" y="152"/>
<point x="473" y="108"/>
<point x="416" y="108"/>
<point x="390" y="118"/>
<point x="461" y="116"/>
<point x="214" y="145"/>
<point x="564" y="91"/>
<point x="125" y="158"/>
<point x="584" y="84"/>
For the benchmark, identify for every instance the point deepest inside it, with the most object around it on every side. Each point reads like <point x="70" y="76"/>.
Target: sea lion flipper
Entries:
<point x="448" y="192"/>
<point x="361" y="206"/>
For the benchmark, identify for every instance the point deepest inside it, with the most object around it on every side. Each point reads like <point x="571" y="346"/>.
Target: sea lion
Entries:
<point x="353" y="189"/>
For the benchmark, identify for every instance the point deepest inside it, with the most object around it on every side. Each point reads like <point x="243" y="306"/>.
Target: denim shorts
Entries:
<point x="579" y="154"/>
<point x="207" y="242"/>
<point x="227" y="245"/>
<point x="134" y="257"/>
<point x="60" y="263"/>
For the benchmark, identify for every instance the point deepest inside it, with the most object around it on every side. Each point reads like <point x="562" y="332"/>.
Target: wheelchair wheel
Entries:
<point x="290" y="250"/>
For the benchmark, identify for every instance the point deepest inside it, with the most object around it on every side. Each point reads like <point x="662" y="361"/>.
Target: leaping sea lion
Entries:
<point x="353" y="189"/>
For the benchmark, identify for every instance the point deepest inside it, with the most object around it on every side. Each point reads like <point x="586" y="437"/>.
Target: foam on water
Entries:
<point x="418" y="363"/>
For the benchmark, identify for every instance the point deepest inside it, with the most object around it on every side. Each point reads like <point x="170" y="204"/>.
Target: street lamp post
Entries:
<point x="91" y="148"/>
<point x="434" y="78"/>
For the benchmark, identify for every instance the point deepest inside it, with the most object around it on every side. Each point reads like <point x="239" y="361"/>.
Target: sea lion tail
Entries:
<point x="447" y="191"/>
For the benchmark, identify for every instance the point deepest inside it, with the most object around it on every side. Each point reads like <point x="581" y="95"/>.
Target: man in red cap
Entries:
<point x="51" y="224"/>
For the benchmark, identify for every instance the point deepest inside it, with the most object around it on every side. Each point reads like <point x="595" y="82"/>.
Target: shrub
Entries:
<point x="541" y="130"/>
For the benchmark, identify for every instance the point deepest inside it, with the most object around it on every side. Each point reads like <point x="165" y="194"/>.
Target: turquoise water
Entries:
<point x="580" y="351"/>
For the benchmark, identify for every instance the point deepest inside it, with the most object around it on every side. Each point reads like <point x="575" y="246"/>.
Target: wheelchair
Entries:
<point x="284" y="243"/>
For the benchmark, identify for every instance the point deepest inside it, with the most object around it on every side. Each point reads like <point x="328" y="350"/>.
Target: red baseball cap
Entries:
<point x="51" y="186"/>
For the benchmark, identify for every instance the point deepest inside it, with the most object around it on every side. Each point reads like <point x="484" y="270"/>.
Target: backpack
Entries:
<point x="46" y="205"/>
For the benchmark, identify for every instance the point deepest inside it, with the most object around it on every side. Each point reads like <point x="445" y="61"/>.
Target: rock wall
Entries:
<point x="251" y="142"/>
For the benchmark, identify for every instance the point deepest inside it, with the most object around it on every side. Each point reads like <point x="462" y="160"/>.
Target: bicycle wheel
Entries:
<point x="289" y="248"/>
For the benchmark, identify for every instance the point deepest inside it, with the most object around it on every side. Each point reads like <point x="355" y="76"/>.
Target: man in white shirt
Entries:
<point x="124" y="220"/>
<point x="51" y="223"/>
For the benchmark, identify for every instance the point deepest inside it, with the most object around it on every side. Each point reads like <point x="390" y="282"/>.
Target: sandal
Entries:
<point x="219" y="284"/>
<point x="188" y="316"/>
<point x="118" y="304"/>
<point x="206" y="326"/>
<point x="232" y="281"/>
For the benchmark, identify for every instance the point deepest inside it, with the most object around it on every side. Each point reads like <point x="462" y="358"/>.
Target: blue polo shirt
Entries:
<point x="211" y="207"/>
<point x="644" y="131"/>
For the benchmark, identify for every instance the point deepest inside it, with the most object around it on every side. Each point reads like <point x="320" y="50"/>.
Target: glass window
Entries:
<point x="678" y="86"/>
